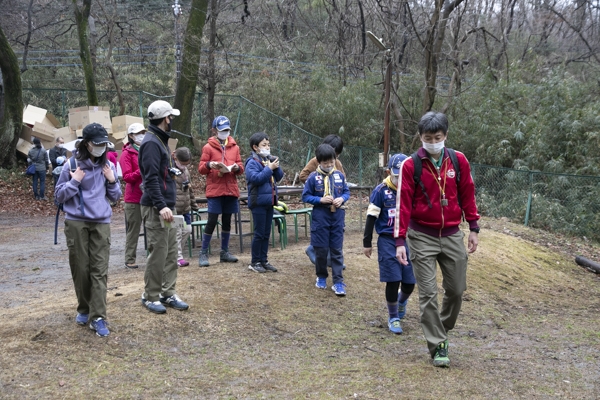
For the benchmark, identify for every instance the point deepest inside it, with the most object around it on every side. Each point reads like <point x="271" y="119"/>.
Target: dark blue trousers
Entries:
<point x="262" y="218"/>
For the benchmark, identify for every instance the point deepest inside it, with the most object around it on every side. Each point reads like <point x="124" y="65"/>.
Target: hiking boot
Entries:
<point x="154" y="306"/>
<point x="99" y="325"/>
<point x="268" y="267"/>
<point x="204" y="259"/>
<point x="81" y="319"/>
<point x="257" y="267"/>
<point x="175" y="302"/>
<point x="440" y="358"/>
<point x="182" y="263"/>
<point x="394" y="325"/>
<point x="227" y="257"/>
<point x="321" y="283"/>
<point x="339" y="288"/>
<point x="402" y="307"/>
<point x="131" y="266"/>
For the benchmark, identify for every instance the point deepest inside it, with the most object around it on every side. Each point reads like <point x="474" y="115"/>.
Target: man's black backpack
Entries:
<point x="59" y="206"/>
<point x="419" y="169"/>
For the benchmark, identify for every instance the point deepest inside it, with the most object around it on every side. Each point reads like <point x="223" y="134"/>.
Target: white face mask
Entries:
<point x="264" y="152"/>
<point x="222" y="135"/>
<point x="59" y="145"/>
<point x="433" y="148"/>
<point x="327" y="170"/>
<point x="137" y="139"/>
<point x="395" y="180"/>
<point x="97" y="151"/>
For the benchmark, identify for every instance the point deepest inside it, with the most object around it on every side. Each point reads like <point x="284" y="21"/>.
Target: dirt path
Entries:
<point x="528" y="329"/>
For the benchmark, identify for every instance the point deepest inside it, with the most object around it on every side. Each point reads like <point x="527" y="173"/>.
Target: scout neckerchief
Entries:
<point x="326" y="182"/>
<point x="388" y="182"/>
<point x="223" y="145"/>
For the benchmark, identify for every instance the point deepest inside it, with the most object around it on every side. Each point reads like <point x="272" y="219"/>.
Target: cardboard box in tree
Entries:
<point x="81" y="116"/>
<point x="23" y="146"/>
<point x="49" y="133"/>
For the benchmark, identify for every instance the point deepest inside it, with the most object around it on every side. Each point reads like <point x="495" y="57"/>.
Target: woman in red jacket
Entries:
<point x="221" y="163"/>
<point x="133" y="192"/>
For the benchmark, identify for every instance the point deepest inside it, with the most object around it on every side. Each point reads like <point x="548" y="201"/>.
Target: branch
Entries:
<point x="28" y="39"/>
<point x="578" y="31"/>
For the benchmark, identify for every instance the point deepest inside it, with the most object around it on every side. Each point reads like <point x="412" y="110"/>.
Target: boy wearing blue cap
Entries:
<point x="381" y="215"/>
<point x="327" y="191"/>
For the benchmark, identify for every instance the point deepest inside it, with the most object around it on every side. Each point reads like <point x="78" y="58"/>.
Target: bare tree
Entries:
<point x="82" y="13"/>
<point x="11" y="103"/>
<point x="186" y="87"/>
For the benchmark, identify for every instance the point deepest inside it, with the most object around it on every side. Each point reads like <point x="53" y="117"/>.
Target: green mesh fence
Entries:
<point x="554" y="202"/>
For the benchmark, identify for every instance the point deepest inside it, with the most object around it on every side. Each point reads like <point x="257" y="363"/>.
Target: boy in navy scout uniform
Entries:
<point x="327" y="191"/>
<point x="381" y="214"/>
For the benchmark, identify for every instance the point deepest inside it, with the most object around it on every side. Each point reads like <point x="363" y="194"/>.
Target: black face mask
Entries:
<point x="169" y="126"/>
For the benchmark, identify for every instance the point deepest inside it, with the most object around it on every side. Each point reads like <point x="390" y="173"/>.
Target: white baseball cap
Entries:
<point x="135" y="128"/>
<point x="161" y="109"/>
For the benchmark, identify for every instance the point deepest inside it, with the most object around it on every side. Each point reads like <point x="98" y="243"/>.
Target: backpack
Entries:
<point x="59" y="206"/>
<point x="419" y="169"/>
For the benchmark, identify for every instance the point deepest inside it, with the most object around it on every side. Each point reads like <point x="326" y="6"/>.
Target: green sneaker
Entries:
<point x="440" y="359"/>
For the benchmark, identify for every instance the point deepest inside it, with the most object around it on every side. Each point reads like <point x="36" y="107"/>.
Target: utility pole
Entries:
<point x="176" y="13"/>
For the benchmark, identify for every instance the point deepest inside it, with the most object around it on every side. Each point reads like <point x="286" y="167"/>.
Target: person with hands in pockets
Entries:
<point x="262" y="174"/>
<point x="221" y="163"/>
<point x="85" y="195"/>
<point x="327" y="191"/>
<point x="381" y="215"/>
<point x="429" y="210"/>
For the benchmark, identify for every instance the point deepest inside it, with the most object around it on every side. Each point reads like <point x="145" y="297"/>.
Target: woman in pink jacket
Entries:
<point x="133" y="192"/>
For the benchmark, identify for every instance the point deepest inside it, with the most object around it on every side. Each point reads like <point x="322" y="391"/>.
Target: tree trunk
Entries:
<point x="186" y="87"/>
<point x="212" y="79"/>
<point x="12" y="112"/>
<point x="81" y="18"/>
<point x="433" y="49"/>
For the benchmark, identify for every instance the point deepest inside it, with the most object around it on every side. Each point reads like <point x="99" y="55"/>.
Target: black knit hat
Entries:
<point x="95" y="133"/>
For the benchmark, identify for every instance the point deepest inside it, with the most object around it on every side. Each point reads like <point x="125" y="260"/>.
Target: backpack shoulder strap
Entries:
<point x="418" y="169"/>
<point x="454" y="159"/>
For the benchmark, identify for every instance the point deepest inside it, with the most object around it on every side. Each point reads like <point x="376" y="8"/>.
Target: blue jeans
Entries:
<point x="41" y="176"/>
<point x="262" y="218"/>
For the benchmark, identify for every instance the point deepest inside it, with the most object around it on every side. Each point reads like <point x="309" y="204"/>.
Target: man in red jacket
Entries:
<point x="221" y="163"/>
<point x="429" y="216"/>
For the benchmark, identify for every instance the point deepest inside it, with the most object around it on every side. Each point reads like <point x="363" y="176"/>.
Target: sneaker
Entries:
<point x="175" y="302"/>
<point x="402" y="308"/>
<point x="182" y="263"/>
<point x="339" y="288"/>
<point x="440" y="358"/>
<point x="321" y="283"/>
<point x="257" y="267"/>
<point x="131" y="266"/>
<point x="394" y="325"/>
<point x="81" y="319"/>
<point x="154" y="306"/>
<point x="227" y="257"/>
<point x="268" y="267"/>
<point x="99" y="325"/>
<point x="204" y="259"/>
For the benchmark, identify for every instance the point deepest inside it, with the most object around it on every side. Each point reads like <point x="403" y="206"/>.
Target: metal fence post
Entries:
<point x="63" y="101"/>
<point x="360" y="166"/>
<point x="141" y="104"/>
<point x="278" y="135"/>
<point x="529" y="198"/>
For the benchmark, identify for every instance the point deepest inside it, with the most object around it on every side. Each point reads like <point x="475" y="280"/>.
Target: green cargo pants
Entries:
<point x="161" y="265"/>
<point x="133" y="216"/>
<point x="451" y="254"/>
<point x="89" y="250"/>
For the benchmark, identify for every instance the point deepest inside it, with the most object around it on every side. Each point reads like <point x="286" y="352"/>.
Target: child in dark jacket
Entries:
<point x="327" y="191"/>
<point x="262" y="173"/>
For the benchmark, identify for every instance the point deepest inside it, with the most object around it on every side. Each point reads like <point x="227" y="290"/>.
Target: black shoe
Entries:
<point x="257" y="267"/>
<point x="268" y="267"/>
